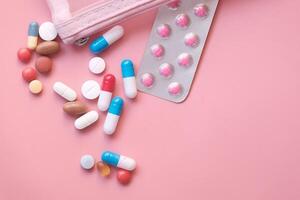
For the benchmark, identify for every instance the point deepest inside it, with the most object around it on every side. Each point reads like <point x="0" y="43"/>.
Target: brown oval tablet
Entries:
<point x="75" y="108"/>
<point x="43" y="64"/>
<point x="47" y="48"/>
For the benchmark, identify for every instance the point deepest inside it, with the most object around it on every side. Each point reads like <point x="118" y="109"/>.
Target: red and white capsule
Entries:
<point x="107" y="88"/>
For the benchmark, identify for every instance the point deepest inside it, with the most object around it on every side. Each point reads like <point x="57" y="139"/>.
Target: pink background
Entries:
<point x="236" y="137"/>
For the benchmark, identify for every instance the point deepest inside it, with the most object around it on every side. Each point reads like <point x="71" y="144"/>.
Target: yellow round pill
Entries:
<point x="35" y="86"/>
<point x="103" y="168"/>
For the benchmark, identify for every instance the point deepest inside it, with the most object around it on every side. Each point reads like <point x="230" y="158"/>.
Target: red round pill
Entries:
<point x="43" y="64"/>
<point x="29" y="74"/>
<point x="124" y="176"/>
<point x="24" y="55"/>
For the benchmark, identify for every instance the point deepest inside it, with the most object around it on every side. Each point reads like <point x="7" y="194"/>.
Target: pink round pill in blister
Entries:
<point x="147" y="80"/>
<point x="166" y="70"/>
<point x="191" y="40"/>
<point x="164" y="30"/>
<point x="185" y="60"/>
<point x="157" y="50"/>
<point x="174" y="4"/>
<point x="175" y="89"/>
<point x="201" y="10"/>
<point x="182" y="20"/>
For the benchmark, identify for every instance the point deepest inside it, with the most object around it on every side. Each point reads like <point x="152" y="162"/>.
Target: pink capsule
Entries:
<point x="163" y="30"/>
<point x="185" y="60"/>
<point x="191" y="40"/>
<point x="174" y="4"/>
<point x="147" y="80"/>
<point x="174" y="89"/>
<point x="157" y="50"/>
<point x="201" y="10"/>
<point x="182" y="20"/>
<point x="166" y="70"/>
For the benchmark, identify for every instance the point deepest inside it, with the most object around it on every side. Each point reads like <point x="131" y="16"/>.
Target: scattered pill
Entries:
<point x="47" y="48"/>
<point x="113" y="115"/>
<point x="97" y="65"/>
<point x="147" y="80"/>
<point x="103" y="168"/>
<point x="33" y="35"/>
<point x="90" y="89"/>
<point x="124" y="176"/>
<point x="47" y="31"/>
<point x="64" y="91"/>
<point x="87" y="162"/>
<point x="86" y="120"/>
<point x="157" y="50"/>
<point x="175" y="89"/>
<point x="166" y="70"/>
<point x="75" y="108"/>
<point x="164" y="30"/>
<point x="182" y="20"/>
<point x="107" y="88"/>
<point x="29" y="74"/>
<point x="35" y="87"/>
<point x="185" y="60"/>
<point x="24" y="55"/>
<point x="191" y="40"/>
<point x="119" y="161"/>
<point x="129" y="80"/>
<point x="107" y="39"/>
<point x="201" y="10"/>
<point x="43" y="64"/>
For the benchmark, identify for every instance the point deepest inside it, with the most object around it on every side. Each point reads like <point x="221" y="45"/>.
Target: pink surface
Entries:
<point x="236" y="137"/>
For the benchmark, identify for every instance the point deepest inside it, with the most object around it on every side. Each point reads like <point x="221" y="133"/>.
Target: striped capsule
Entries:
<point x="107" y="39"/>
<point x="33" y="34"/>
<point x="129" y="80"/>
<point x="113" y="115"/>
<point x="107" y="88"/>
<point x="119" y="161"/>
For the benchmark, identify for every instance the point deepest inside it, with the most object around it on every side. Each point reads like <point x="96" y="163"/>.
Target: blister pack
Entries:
<point x="174" y="49"/>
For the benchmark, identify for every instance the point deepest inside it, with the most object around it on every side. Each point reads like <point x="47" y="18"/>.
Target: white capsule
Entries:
<point x="126" y="163"/>
<point x="64" y="91"/>
<point x="130" y="87"/>
<point x="114" y="34"/>
<point x="104" y="100"/>
<point x="86" y="120"/>
<point x="110" y="124"/>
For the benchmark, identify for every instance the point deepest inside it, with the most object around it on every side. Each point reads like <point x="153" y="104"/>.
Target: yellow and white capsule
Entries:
<point x="33" y="35"/>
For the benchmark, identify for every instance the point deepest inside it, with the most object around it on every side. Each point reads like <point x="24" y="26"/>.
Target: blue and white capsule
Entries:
<point x="129" y="80"/>
<point x="107" y="39"/>
<point x="113" y="115"/>
<point x="119" y="161"/>
<point x="33" y="35"/>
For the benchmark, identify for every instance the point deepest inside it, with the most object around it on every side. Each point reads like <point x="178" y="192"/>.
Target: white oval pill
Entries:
<point x="97" y="65"/>
<point x="90" y="89"/>
<point x="64" y="91"/>
<point x="47" y="31"/>
<point x="86" y="120"/>
<point x="87" y="162"/>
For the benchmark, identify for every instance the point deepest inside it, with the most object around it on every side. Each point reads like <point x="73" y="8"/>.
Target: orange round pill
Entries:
<point x="35" y="87"/>
<point x="103" y="168"/>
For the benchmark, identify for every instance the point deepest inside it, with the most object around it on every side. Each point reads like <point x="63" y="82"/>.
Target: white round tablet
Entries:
<point x="47" y="31"/>
<point x="97" y="65"/>
<point x="87" y="162"/>
<point x="90" y="89"/>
